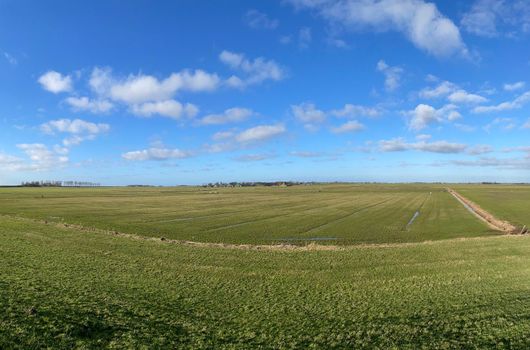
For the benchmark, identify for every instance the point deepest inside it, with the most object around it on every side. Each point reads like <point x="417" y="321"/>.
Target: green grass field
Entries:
<point x="444" y="281"/>
<point x="329" y="214"/>
<point x="60" y="288"/>
<point x="507" y="202"/>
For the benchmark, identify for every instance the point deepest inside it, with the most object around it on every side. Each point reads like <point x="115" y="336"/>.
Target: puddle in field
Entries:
<point x="411" y="221"/>
<point x="309" y="239"/>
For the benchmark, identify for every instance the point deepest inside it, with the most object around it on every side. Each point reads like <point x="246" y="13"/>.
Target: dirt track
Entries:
<point x="492" y="221"/>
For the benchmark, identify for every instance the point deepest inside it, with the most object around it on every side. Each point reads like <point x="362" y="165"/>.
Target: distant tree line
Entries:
<point x="254" y="184"/>
<point x="49" y="183"/>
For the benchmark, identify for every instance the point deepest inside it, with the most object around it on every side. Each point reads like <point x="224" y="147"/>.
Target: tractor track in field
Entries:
<point x="342" y="218"/>
<point x="492" y="221"/>
<point x="417" y="213"/>
<point x="257" y="247"/>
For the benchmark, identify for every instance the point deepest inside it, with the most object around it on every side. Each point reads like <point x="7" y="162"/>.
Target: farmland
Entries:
<point x="507" y="202"/>
<point x="442" y="280"/>
<point x="330" y="214"/>
<point x="61" y="288"/>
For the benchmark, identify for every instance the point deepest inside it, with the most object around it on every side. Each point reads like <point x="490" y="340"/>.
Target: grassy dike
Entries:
<point x="61" y="288"/>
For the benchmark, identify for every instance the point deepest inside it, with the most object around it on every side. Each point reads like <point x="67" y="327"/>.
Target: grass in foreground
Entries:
<point x="329" y="214"/>
<point x="63" y="288"/>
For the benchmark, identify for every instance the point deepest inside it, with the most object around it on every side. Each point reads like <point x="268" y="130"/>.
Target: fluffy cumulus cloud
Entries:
<point x="76" y="126"/>
<point x="156" y="153"/>
<point x="441" y="90"/>
<point x="55" y="82"/>
<point x="40" y="158"/>
<point x="169" y="108"/>
<point x="400" y="145"/>
<point x="424" y="115"/>
<point x="420" y="21"/>
<point x="86" y="104"/>
<point x="79" y="130"/>
<point x="260" y="133"/>
<point x="259" y="20"/>
<point x="517" y="103"/>
<point x="231" y="115"/>
<point x="141" y="88"/>
<point x="492" y="18"/>
<point x="464" y="97"/>
<point x="350" y="126"/>
<point x="311" y="116"/>
<point x="353" y="111"/>
<point x="392" y="75"/>
<point x="453" y="93"/>
<point x="308" y="113"/>
<point x="254" y="71"/>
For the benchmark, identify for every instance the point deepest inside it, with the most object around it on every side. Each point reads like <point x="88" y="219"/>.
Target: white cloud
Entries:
<point x="169" y="108"/>
<point x="392" y="75"/>
<point x="480" y="149"/>
<point x="231" y="115"/>
<point x="260" y="133"/>
<point x="308" y="113"/>
<point x="491" y="18"/>
<point x="424" y="115"/>
<point x="526" y="125"/>
<point x="80" y="130"/>
<point x="137" y="89"/>
<point x="423" y="137"/>
<point x="462" y="96"/>
<point x="256" y="71"/>
<point x="223" y="135"/>
<point x="76" y="126"/>
<point x="156" y="153"/>
<point x="352" y="111"/>
<point x="400" y="145"/>
<point x="41" y="157"/>
<point x="10" y="163"/>
<point x="350" y="126"/>
<point x="259" y="20"/>
<point x="87" y="104"/>
<point x="55" y="82"/>
<point x="514" y="86"/>
<point x="312" y="117"/>
<point x="419" y="21"/>
<point x="452" y="92"/>
<point x="505" y="124"/>
<point x="441" y="90"/>
<point x="519" y="102"/>
<point x="502" y="163"/>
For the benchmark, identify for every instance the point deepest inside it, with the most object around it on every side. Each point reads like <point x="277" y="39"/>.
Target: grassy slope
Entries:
<point x="61" y="288"/>
<point x="343" y="213"/>
<point x="507" y="202"/>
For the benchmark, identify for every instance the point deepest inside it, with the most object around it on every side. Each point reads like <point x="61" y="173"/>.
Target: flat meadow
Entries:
<point x="329" y="214"/>
<point x="507" y="202"/>
<point x="386" y="283"/>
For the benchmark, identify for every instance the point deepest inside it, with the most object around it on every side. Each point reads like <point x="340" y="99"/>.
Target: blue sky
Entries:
<point x="190" y="92"/>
